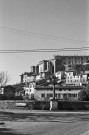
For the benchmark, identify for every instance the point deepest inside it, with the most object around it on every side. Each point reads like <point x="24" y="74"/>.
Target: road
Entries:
<point x="44" y="123"/>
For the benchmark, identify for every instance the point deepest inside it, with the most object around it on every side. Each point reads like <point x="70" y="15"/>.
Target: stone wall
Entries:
<point x="36" y="105"/>
<point x="11" y="104"/>
<point x="44" y="105"/>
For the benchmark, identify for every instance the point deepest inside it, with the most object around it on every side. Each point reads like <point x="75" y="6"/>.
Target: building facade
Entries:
<point x="73" y="79"/>
<point x="46" y="93"/>
<point x="46" y="68"/>
<point x="61" y="93"/>
<point x="68" y="60"/>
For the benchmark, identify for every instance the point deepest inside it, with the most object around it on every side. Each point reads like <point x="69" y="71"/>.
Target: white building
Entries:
<point x="59" y="75"/>
<point x="46" y="92"/>
<point x="72" y="79"/>
<point x="1" y="90"/>
<point x="30" y="89"/>
<point x="62" y="93"/>
<point x="85" y="78"/>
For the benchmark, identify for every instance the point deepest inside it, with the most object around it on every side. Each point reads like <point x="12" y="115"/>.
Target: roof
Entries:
<point x="43" y="61"/>
<point x="8" y="86"/>
<point x="56" y="56"/>
<point x="59" y="87"/>
<point x="28" y="74"/>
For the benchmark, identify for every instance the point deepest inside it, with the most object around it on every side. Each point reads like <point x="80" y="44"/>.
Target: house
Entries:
<point x="34" y="69"/>
<point x="1" y="90"/>
<point x="30" y="89"/>
<point x="46" y="92"/>
<point x="73" y="79"/>
<point x="26" y="77"/>
<point x="61" y="92"/>
<point x="85" y="78"/>
<point x="45" y="68"/>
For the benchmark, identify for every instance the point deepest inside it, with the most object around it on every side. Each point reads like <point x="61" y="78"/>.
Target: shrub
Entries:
<point x="73" y="105"/>
<point x="18" y="98"/>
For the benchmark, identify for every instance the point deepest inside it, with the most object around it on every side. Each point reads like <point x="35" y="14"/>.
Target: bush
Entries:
<point x="73" y="105"/>
<point x="10" y="97"/>
<point x="18" y="98"/>
<point x="7" y="97"/>
<point x="40" y="105"/>
<point x="83" y="96"/>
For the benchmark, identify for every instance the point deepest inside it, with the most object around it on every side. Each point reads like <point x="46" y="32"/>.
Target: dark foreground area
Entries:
<point x="43" y="123"/>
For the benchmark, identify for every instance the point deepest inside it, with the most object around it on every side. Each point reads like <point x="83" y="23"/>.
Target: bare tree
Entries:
<point x="4" y="78"/>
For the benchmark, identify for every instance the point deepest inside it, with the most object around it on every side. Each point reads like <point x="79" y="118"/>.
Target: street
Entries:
<point x="44" y="123"/>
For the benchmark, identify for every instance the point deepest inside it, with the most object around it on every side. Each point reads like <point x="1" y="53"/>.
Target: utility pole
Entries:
<point x="53" y="80"/>
<point x="53" y="102"/>
<point x="54" y="91"/>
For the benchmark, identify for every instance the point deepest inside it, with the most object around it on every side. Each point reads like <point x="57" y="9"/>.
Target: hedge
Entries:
<point x="73" y="105"/>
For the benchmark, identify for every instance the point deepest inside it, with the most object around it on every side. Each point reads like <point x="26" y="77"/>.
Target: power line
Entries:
<point x="48" y="49"/>
<point x="45" y="50"/>
<point x="41" y="35"/>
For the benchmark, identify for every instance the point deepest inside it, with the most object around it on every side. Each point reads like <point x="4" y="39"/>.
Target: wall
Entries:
<point x="64" y="94"/>
<point x="10" y="104"/>
<point x="73" y="79"/>
<point x="62" y="105"/>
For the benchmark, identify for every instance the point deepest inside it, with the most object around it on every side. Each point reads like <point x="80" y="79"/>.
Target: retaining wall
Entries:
<point x="44" y="105"/>
<point x="11" y="104"/>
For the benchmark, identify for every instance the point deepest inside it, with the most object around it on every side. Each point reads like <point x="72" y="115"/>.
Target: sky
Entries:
<point x="40" y="24"/>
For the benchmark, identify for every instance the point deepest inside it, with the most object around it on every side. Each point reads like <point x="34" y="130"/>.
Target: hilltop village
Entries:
<point x="69" y="74"/>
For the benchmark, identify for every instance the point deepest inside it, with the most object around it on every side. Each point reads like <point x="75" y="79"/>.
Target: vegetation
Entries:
<point x="19" y="88"/>
<point x="4" y="78"/>
<point x="84" y="94"/>
<point x="59" y="65"/>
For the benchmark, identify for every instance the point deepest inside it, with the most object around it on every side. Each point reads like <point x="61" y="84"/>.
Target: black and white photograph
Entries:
<point x="44" y="67"/>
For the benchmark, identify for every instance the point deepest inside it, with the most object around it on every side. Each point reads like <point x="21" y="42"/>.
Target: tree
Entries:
<point x="60" y="65"/>
<point x="19" y="88"/>
<point x="87" y="67"/>
<point x="53" y="80"/>
<point x="79" y="68"/>
<point x="4" y="78"/>
<point x="84" y="94"/>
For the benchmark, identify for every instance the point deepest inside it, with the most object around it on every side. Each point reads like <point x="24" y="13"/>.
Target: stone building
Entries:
<point x="72" y="59"/>
<point x="60" y="62"/>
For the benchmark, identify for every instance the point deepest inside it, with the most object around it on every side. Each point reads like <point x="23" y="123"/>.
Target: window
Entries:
<point x="74" y="95"/>
<point x="45" y="65"/>
<point x="49" y="95"/>
<point x="59" y="95"/>
<point x="42" y="95"/>
<point x="27" y="90"/>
